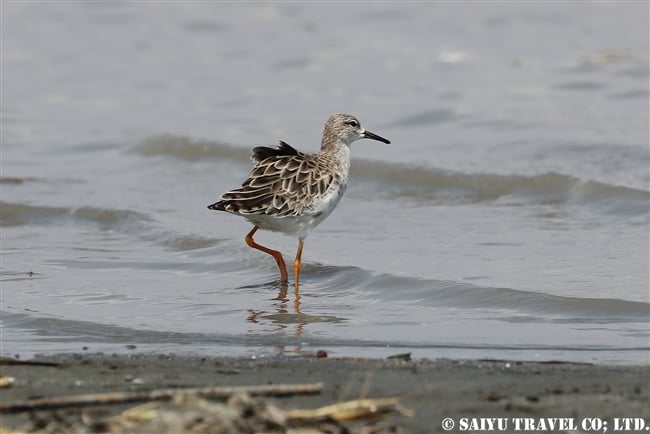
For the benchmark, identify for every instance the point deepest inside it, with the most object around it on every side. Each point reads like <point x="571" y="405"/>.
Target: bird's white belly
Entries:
<point x="301" y="225"/>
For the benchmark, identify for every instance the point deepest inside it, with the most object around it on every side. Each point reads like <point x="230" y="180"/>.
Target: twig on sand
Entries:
<point x="352" y="410"/>
<point x="218" y="392"/>
<point x="7" y="361"/>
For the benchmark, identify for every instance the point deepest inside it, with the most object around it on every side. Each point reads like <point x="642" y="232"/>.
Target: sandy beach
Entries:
<point x="568" y="395"/>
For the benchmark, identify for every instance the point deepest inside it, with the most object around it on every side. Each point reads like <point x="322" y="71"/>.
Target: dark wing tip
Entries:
<point x="261" y="153"/>
<point x="217" y="206"/>
<point x="287" y="149"/>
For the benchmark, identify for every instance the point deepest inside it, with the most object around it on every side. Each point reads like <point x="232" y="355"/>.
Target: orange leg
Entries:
<point x="276" y="255"/>
<point x="296" y="264"/>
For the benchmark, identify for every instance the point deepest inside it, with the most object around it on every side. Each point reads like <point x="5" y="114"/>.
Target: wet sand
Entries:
<point x="434" y="390"/>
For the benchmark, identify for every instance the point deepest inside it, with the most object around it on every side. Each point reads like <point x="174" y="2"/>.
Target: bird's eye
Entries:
<point x="353" y="123"/>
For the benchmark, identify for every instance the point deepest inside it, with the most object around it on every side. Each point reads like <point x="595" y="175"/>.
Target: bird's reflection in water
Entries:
<point x="283" y="318"/>
<point x="282" y="297"/>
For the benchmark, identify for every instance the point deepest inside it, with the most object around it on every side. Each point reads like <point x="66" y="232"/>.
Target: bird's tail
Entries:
<point x="218" y="206"/>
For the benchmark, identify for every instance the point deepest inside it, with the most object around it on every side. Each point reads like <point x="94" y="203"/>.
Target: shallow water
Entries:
<point x="508" y="219"/>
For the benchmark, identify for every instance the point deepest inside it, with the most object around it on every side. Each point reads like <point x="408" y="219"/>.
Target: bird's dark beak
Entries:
<point x="368" y="135"/>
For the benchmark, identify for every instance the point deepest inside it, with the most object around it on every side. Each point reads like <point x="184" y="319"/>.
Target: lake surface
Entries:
<point x="508" y="218"/>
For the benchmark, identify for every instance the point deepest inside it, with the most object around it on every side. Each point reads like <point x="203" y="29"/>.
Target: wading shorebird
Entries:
<point x="290" y="191"/>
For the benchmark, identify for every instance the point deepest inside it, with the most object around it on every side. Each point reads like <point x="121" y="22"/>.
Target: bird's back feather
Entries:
<point x="284" y="182"/>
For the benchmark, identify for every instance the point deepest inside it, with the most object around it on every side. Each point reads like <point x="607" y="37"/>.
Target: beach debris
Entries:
<point x="245" y="414"/>
<point x="241" y="413"/>
<point x="8" y="361"/>
<point x="352" y="410"/>
<point x="215" y="392"/>
<point x="6" y="382"/>
<point x="205" y="410"/>
<point x="130" y="378"/>
<point x="192" y="414"/>
<point x="402" y="356"/>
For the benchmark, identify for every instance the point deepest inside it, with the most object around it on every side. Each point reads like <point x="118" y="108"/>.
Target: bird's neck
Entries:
<point x="331" y="141"/>
<point x="338" y="154"/>
<point x="333" y="145"/>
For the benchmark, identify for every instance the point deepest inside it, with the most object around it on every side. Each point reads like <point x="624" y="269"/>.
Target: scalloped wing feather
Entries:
<point x="284" y="182"/>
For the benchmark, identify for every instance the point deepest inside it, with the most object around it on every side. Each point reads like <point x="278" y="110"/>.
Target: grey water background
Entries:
<point x="508" y="219"/>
